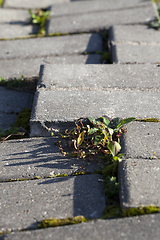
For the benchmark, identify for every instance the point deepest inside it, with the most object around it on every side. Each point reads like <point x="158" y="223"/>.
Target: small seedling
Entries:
<point x="39" y="18"/>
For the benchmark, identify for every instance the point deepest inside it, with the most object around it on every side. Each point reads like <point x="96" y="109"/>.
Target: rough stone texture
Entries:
<point x="79" y="7"/>
<point x="138" y="34"/>
<point x="31" y="3"/>
<point x="136" y="228"/>
<point x="142" y="140"/>
<point x="13" y="16"/>
<point x="11" y="103"/>
<point x="15" y="30"/>
<point x="100" y="77"/>
<point x="50" y="46"/>
<point x="135" y="53"/>
<point x="27" y="158"/>
<point x="55" y="110"/>
<point x="94" y="21"/>
<point x="30" y="67"/>
<point x="23" y="204"/>
<point x="140" y="182"/>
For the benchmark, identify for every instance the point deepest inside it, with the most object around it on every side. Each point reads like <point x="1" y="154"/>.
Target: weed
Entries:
<point x="40" y="18"/>
<point x="91" y="137"/>
<point x="25" y="84"/>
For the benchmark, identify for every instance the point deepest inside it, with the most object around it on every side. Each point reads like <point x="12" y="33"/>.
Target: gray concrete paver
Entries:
<point x="14" y="16"/>
<point x="135" y="228"/>
<point x="140" y="182"/>
<point x="8" y="31"/>
<point x="24" y="204"/>
<point x="31" y="3"/>
<point x="135" y="53"/>
<point x="134" y="34"/>
<point x="94" y="21"/>
<point x="56" y="110"/>
<point x="50" y="46"/>
<point x="142" y="140"/>
<point x="100" y="77"/>
<point x="30" y="67"/>
<point x="28" y="158"/>
<point x="81" y="7"/>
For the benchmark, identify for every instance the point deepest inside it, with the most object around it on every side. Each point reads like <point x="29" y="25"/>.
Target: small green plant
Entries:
<point x="91" y="137"/>
<point x="40" y="18"/>
<point x="156" y="22"/>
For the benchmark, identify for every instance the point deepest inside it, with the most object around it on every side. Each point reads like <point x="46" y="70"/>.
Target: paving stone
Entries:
<point x="12" y="102"/>
<point x="100" y="77"/>
<point x="59" y="100"/>
<point x="30" y="67"/>
<point x="31" y="4"/>
<point x="82" y="7"/>
<point x="140" y="182"/>
<point x="135" y="228"/>
<point x="130" y="34"/>
<point x="56" y="110"/>
<point x="14" y="31"/>
<point x="96" y="20"/>
<point x="50" y="46"/>
<point x="142" y="140"/>
<point x="27" y="158"/>
<point x="13" y="16"/>
<point x="24" y="204"/>
<point x="135" y="53"/>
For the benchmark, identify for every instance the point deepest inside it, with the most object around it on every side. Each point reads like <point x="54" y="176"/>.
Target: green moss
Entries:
<point x="79" y="173"/>
<point x="99" y="52"/>
<point x="112" y="211"/>
<point x="61" y="222"/>
<point x="106" y="57"/>
<point x="62" y="175"/>
<point x="4" y="233"/>
<point x="23" y="119"/>
<point x="148" y="120"/>
<point x="140" y="211"/>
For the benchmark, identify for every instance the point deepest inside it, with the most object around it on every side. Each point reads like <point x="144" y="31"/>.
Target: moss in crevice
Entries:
<point x="147" y="120"/>
<point x="53" y="222"/>
<point x="140" y="211"/>
<point x="23" y="119"/>
<point x="112" y="211"/>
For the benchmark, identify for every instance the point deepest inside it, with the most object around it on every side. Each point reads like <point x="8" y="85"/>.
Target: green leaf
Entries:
<point x="92" y="130"/>
<point x="125" y="121"/>
<point x="105" y="121"/>
<point x="114" y="147"/>
<point x="92" y="120"/>
<point x="98" y="139"/>
<point x="113" y="124"/>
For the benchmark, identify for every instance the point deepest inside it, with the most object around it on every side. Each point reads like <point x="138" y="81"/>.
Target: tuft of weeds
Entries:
<point x="91" y="138"/>
<point x="25" y="84"/>
<point x="40" y="18"/>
